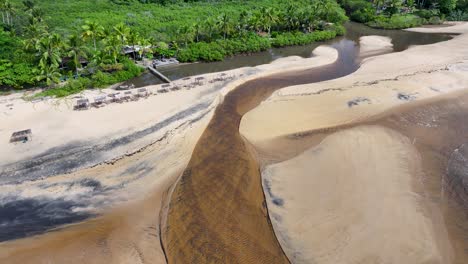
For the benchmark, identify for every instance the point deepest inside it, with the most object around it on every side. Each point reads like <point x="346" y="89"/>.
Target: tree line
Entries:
<point x="35" y="53"/>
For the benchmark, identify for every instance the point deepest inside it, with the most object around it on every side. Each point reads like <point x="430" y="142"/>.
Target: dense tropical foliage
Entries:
<point x="74" y="45"/>
<point x="397" y="14"/>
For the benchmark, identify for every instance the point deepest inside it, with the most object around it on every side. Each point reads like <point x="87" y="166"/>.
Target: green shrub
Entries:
<point x="427" y="13"/>
<point x="359" y="10"/>
<point x="299" y="38"/>
<point x="435" y="20"/>
<point x="458" y="15"/>
<point x="396" y="22"/>
<point x="219" y="49"/>
<point x="16" y="75"/>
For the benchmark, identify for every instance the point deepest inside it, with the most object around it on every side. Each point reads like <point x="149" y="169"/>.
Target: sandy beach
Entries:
<point x="124" y="182"/>
<point x="366" y="168"/>
<point x="359" y="169"/>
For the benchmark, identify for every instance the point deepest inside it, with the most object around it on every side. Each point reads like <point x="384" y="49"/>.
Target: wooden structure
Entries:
<point x="159" y="75"/>
<point x="21" y="136"/>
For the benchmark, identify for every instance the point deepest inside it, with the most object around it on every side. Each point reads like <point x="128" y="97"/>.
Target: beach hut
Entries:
<point x="21" y="136"/>
<point x="81" y="104"/>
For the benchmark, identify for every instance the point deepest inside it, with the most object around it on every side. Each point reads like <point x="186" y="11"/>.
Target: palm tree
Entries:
<point x="244" y="19"/>
<point x="113" y="47"/>
<point x="2" y="9"/>
<point x="197" y="28"/>
<point x="28" y="5"/>
<point x="224" y="24"/>
<point x="185" y="33"/>
<point x="34" y="32"/>
<point x="49" y="74"/>
<point x="270" y="18"/>
<point x="209" y="24"/>
<point x="7" y="12"/>
<point x="76" y="51"/>
<point x="122" y="31"/>
<point x="255" y="21"/>
<point x="92" y="30"/>
<point x="48" y="50"/>
<point x="134" y="39"/>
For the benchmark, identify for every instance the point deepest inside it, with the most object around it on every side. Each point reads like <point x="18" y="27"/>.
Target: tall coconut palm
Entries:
<point x="209" y="24"/>
<point x="93" y="31"/>
<point x="48" y="73"/>
<point x="197" y="29"/>
<point x="76" y="51"/>
<point x="185" y="33"/>
<point x="269" y="18"/>
<point x="134" y="39"/>
<point x="7" y="12"/>
<point x="224" y="24"/>
<point x="122" y="32"/>
<point x="33" y="32"/>
<point x="49" y="50"/>
<point x="113" y="47"/>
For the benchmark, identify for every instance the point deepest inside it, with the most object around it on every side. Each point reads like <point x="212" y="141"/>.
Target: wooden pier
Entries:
<point x="158" y="74"/>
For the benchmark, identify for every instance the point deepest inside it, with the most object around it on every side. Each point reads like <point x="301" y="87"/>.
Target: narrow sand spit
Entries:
<point x="455" y="28"/>
<point x="366" y="168"/>
<point x="138" y="182"/>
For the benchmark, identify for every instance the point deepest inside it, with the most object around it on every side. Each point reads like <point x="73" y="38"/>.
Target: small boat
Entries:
<point x="165" y="62"/>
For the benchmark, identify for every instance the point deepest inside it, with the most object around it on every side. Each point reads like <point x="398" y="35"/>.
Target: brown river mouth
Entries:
<point x="217" y="211"/>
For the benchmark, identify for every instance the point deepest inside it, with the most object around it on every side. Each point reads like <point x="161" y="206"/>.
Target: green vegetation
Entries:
<point x="74" y="45"/>
<point x="398" y="14"/>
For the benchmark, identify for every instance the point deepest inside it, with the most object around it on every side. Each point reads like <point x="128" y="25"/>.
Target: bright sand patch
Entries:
<point x="373" y="45"/>
<point x="350" y="200"/>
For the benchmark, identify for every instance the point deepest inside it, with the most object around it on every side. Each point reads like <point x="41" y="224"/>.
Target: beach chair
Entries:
<point x="199" y="80"/>
<point x="115" y="98"/>
<point x="99" y="101"/>
<point x="127" y="96"/>
<point x="21" y="136"/>
<point x="143" y="92"/>
<point x="82" y="104"/>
